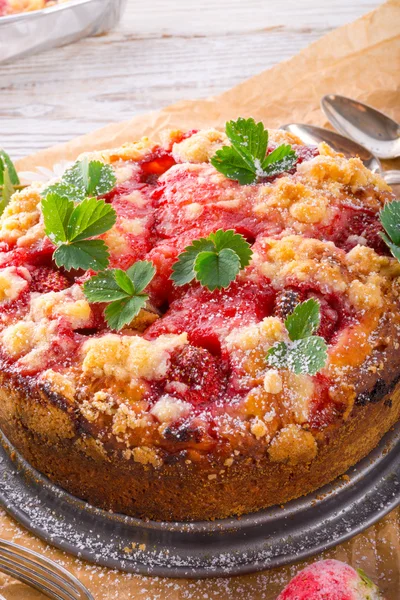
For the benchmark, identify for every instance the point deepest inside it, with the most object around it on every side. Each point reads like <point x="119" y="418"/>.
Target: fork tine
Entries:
<point x="32" y="568"/>
<point x="26" y="575"/>
<point x="40" y="570"/>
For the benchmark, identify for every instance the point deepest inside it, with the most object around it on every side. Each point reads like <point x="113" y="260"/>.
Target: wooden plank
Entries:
<point x="208" y="17"/>
<point x="161" y="53"/>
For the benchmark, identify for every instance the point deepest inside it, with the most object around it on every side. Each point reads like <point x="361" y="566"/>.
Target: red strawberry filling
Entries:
<point x="200" y="373"/>
<point x="322" y="410"/>
<point x="46" y="280"/>
<point x="334" y="315"/>
<point x="208" y="317"/>
<point x="175" y="205"/>
<point x="356" y="225"/>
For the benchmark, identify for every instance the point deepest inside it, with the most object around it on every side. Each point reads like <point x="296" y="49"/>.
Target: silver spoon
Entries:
<point x="363" y="124"/>
<point x="310" y="134"/>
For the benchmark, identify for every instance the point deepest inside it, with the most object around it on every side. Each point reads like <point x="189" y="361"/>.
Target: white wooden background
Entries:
<point x="163" y="51"/>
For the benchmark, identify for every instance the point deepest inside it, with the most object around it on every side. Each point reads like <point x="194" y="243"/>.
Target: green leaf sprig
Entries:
<point x="123" y="290"/>
<point x="245" y="160"/>
<point x="84" y="179"/>
<point x="390" y="219"/>
<point x="71" y="228"/>
<point x="304" y="353"/>
<point x="73" y="216"/>
<point x="9" y="180"/>
<point x="214" y="261"/>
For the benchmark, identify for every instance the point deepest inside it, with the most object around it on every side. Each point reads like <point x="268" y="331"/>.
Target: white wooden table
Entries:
<point x="163" y="51"/>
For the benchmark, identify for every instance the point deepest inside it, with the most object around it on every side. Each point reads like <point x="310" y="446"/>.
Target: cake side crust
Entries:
<point x="76" y="462"/>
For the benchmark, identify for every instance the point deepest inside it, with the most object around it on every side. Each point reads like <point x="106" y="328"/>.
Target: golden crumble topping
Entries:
<point x="188" y="375"/>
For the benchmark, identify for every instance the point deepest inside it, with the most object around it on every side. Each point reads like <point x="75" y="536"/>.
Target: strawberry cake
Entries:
<point x="177" y="414"/>
<point x="12" y="7"/>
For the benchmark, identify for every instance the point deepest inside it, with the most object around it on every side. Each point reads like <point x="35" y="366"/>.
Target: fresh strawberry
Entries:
<point x="330" y="580"/>
<point x="48" y="280"/>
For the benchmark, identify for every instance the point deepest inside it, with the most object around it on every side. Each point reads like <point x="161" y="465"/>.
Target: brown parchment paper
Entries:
<point x="361" y="60"/>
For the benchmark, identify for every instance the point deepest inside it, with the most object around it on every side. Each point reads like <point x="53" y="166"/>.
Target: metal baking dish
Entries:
<point x="257" y="541"/>
<point x="27" y="33"/>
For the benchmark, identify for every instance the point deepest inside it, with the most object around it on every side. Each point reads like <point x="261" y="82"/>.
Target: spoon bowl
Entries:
<point x="310" y="134"/>
<point x="372" y="129"/>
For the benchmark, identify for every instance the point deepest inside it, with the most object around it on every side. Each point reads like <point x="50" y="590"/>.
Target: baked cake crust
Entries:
<point x="181" y="404"/>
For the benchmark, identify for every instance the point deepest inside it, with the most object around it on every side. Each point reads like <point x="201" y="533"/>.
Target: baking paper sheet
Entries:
<point x="360" y="60"/>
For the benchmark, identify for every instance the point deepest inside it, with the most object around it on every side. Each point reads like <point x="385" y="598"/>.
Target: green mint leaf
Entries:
<point x="122" y="312"/>
<point x="7" y="164"/>
<point x="303" y="356"/>
<point x="234" y="241"/>
<point x="280" y="160"/>
<point x="7" y="189"/>
<point x="217" y="270"/>
<point x="89" y="219"/>
<point x="183" y="270"/>
<point x="231" y="164"/>
<point x="390" y="219"/>
<point x="140" y="274"/>
<point x="56" y="211"/>
<point x="304" y="320"/>
<point x="249" y="139"/>
<point x="86" y="254"/>
<point x="84" y="179"/>
<point x="104" y="288"/>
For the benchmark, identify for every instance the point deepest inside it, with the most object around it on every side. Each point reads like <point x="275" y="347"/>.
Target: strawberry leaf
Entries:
<point x="86" y="254"/>
<point x="245" y="160"/>
<point x="304" y="320"/>
<point x="390" y="219"/>
<point x="214" y="261"/>
<point x="217" y="270"/>
<point x="89" y="219"/>
<point x="122" y="289"/>
<point x="121" y="313"/>
<point x="304" y="353"/>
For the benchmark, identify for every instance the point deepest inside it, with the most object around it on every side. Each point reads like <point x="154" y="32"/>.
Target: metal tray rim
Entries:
<point x="383" y="473"/>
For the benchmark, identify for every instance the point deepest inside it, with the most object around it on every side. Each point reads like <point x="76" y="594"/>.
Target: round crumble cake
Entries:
<point x="12" y="7"/>
<point x="179" y="416"/>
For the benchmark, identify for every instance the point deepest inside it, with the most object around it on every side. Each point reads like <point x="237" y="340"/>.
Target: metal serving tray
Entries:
<point x="27" y="33"/>
<point x="258" y="541"/>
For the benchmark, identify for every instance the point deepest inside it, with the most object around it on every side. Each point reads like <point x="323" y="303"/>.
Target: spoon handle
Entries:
<point x="391" y="177"/>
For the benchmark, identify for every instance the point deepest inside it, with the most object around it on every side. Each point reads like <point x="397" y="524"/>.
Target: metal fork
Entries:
<point x="40" y="573"/>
